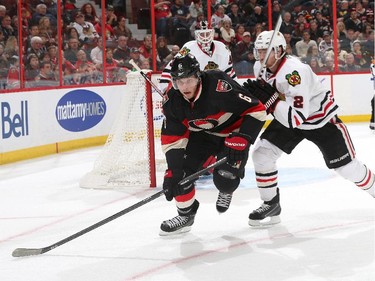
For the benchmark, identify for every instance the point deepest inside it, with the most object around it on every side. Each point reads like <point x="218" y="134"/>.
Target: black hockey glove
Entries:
<point x="171" y="186"/>
<point x="267" y="94"/>
<point x="237" y="147"/>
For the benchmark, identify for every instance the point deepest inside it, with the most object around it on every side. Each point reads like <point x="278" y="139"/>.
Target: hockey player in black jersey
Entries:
<point x="206" y="113"/>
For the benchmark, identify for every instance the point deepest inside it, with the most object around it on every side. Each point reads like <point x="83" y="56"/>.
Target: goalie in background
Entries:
<point x="305" y="109"/>
<point x="210" y="53"/>
<point x="206" y="113"/>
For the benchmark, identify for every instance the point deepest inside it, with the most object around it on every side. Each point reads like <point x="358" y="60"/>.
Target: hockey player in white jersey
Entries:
<point x="304" y="109"/>
<point x="211" y="54"/>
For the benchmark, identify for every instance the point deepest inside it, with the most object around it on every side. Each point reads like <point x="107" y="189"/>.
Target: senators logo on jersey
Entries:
<point x="223" y="86"/>
<point x="293" y="79"/>
<point x="203" y="124"/>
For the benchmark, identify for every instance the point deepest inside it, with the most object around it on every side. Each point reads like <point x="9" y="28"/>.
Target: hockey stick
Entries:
<point x="269" y="49"/>
<point x="132" y="62"/>
<point x="24" y="252"/>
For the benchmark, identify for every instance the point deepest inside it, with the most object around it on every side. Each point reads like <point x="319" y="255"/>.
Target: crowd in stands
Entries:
<point x="307" y="28"/>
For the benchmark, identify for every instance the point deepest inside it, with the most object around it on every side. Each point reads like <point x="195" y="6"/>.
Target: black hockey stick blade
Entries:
<point x="24" y="252"/>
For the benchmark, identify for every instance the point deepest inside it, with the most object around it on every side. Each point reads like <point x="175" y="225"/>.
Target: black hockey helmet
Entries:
<point x="184" y="66"/>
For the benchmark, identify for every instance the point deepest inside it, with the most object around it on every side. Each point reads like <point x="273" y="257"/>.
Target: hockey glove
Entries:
<point x="237" y="147"/>
<point x="267" y="94"/>
<point x="171" y="186"/>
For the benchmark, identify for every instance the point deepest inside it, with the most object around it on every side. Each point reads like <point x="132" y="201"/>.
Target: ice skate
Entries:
<point x="267" y="214"/>
<point x="223" y="202"/>
<point x="181" y="223"/>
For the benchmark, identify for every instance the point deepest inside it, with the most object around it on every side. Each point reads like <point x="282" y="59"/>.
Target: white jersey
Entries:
<point x="308" y="103"/>
<point x="219" y="57"/>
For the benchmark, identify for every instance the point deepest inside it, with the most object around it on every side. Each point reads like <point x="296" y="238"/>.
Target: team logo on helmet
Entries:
<point x="293" y="79"/>
<point x="223" y="86"/>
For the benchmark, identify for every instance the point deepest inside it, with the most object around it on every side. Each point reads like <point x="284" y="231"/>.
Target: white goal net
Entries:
<point x="132" y="154"/>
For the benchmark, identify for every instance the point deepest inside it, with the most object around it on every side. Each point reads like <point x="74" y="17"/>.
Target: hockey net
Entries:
<point x="132" y="154"/>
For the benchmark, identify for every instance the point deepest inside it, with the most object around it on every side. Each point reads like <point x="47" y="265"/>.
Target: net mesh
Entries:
<point x="125" y="158"/>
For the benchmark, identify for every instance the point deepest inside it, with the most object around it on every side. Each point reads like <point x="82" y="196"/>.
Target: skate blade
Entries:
<point x="269" y="221"/>
<point x="179" y="231"/>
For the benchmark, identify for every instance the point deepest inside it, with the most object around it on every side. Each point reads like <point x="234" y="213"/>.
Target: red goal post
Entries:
<point x="132" y="153"/>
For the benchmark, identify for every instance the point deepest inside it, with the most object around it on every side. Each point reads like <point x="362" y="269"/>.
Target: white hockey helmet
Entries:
<point x="263" y="41"/>
<point x="204" y="35"/>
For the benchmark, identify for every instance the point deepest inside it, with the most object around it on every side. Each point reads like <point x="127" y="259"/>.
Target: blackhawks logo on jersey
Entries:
<point x="211" y="65"/>
<point x="294" y="79"/>
<point x="184" y="51"/>
<point x="223" y="86"/>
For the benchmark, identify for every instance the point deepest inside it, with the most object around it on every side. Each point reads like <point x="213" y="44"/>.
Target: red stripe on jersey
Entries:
<point x="346" y="136"/>
<point x="362" y="184"/>
<point x="296" y="120"/>
<point x="185" y="197"/>
<point x="322" y="114"/>
<point x="166" y="139"/>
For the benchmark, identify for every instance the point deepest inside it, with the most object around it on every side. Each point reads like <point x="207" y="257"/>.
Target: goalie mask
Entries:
<point x="204" y="36"/>
<point x="263" y="41"/>
<point x="184" y="67"/>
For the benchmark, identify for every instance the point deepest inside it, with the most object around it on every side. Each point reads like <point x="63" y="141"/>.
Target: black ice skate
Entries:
<point x="181" y="223"/>
<point x="267" y="214"/>
<point x="223" y="202"/>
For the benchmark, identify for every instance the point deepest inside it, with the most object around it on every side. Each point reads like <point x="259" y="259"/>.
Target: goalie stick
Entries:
<point x="132" y="62"/>
<point x="24" y="252"/>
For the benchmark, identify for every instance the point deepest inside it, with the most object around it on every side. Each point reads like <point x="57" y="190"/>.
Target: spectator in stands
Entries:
<point x="256" y="31"/>
<point x="248" y="8"/>
<point x="368" y="45"/>
<point x="290" y="44"/>
<point x="276" y="11"/>
<point x="235" y="15"/>
<point x="329" y="65"/>
<point x="313" y="52"/>
<point x="227" y="34"/>
<point x="361" y="11"/>
<point x="85" y="29"/>
<point x="3" y="11"/>
<point x="111" y="66"/>
<point x="13" y="78"/>
<point x="343" y="11"/>
<point x="41" y="11"/>
<point x="326" y="44"/>
<point x="45" y="77"/>
<point x="240" y="30"/>
<point x="52" y="52"/>
<point x="71" y="52"/>
<point x="162" y="52"/>
<point x="243" y="57"/>
<point x="323" y="24"/>
<point x="12" y="47"/>
<point x="89" y="12"/>
<point x="287" y="25"/>
<point x="363" y="59"/>
<point x="174" y="50"/>
<point x="315" y="33"/>
<point x="31" y="70"/>
<point x="122" y="30"/>
<point x="218" y="17"/>
<point x="111" y="18"/>
<point x="195" y="8"/>
<point x="146" y="47"/>
<point x="6" y="27"/>
<point x="341" y="30"/>
<point x="302" y="19"/>
<point x="109" y="32"/>
<point x="341" y="55"/>
<point x="314" y="64"/>
<point x="180" y="20"/>
<point x="350" y="65"/>
<point x="145" y="63"/>
<point x="347" y="42"/>
<point x="353" y="22"/>
<point x="36" y="47"/>
<point x="122" y="52"/>
<point x="304" y="44"/>
<point x="297" y="33"/>
<point x="45" y="29"/>
<point x="369" y="19"/>
<point x="257" y="17"/>
<point x="162" y="17"/>
<point x="86" y="69"/>
<point x="135" y="55"/>
<point x="96" y="53"/>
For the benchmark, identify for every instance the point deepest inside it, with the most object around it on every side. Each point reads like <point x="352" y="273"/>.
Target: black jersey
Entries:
<point x="220" y="107"/>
